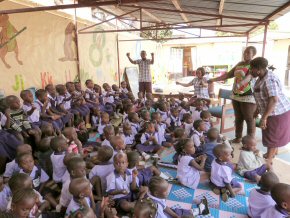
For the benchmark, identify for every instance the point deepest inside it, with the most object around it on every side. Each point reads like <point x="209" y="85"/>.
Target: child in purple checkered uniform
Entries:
<point x="251" y="164"/>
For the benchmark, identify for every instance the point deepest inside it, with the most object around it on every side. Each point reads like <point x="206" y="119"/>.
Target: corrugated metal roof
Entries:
<point x="205" y="13"/>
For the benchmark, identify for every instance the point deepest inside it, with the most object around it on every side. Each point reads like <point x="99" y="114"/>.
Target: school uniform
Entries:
<point x="221" y="174"/>
<point x="74" y="205"/>
<point x="275" y="211"/>
<point x="181" y="113"/>
<point x="187" y="175"/>
<point x="101" y="127"/>
<point x="65" y="196"/>
<point x="102" y="170"/>
<point x="161" y="205"/>
<point x="63" y="100"/>
<point x="91" y="95"/>
<point x="38" y="177"/>
<point x="195" y="113"/>
<point x="58" y="166"/>
<point x="129" y="139"/>
<point x="106" y="142"/>
<point x="196" y="136"/>
<point x="5" y="196"/>
<point x="108" y="98"/>
<point x="11" y="168"/>
<point x="83" y="109"/>
<point x="135" y="127"/>
<point x="174" y="122"/>
<point x="8" y="144"/>
<point x="33" y="118"/>
<point x="188" y="128"/>
<point x="95" y="121"/>
<point x="164" y="115"/>
<point x="207" y="125"/>
<point x="124" y="90"/>
<point x="144" y="175"/>
<point x="149" y="147"/>
<point x="259" y="201"/>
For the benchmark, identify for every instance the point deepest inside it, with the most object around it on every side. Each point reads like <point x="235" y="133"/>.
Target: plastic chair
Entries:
<point x="223" y="110"/>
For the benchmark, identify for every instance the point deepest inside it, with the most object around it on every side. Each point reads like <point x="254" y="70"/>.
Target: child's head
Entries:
<point x="149" y="127"/>
<point x="181" y="96"/>
<point x="78" y="86"/>
<point x="156" y="117"/>
<point x="23" y="200"/>
<point x="133" y="158"/>
<point x="98" y="89"/>
<point x="25" y="162"/>
<point x="41" y="95"/>
<point x="80" y="188"/>
<point x="89" y="84"/>
<point x="140" y="95"/>
<point x="70" y="87"/>
<point x="149" y="96"/>
<point x="281" y="195"/>
<point x="187" y="118"/>
<point x="44" y="144"/>
<point x="127" y="129"/>
<point x="213" y="134"/>
<point x="163" y="106"/>
<point x="145" y="208"/>
<point x="109" y="132"/>
<point x="185" y="146"/>
<point x="131" y="96"/>
<point x="70" y="133"/>
<point x="76" y="167"/>
<point x="106" y="87"/>
<point x="222" y="152"/>
<point x="118" y="143"/>
<point x="184" y="105"/>
<point x="47" y="129"/>
<point x="97" y="111"/>
<point x="199" y="125"/>
<point x="128" y="108"/>
<point x="145" y="115"/>
<point x="133" y="117"/>
<point x="115" y="88"/>
<point x="50" y="89"/>
<point x="199" y="104"/>
<point x="19" y="181"/>
<point x="267" y="181"/>
<point x="179" y="133"/>
<point x="24" y="148"/>
<point x="27" y="96"/>
<point x="158" y="187"/>
<point x="121" y="162"/>
<point x="123" y="84"/>
<point x="205" y="115"/>
<point x="105" y="153"/>
<point x="174" y="112"/>
<point x="80" y="124"/>
<point x="13" y="102"/>
<point x="249" y="143"/>
<point x="61" y="89"/>
<point x="58" y="144"/>
<point x="105" y="118"/>
<point x="148" y="104"/>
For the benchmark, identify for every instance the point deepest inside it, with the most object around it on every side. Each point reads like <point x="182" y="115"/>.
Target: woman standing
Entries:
<point x="199" y="83"/>
<point x="242" y="97"/>
<point x="273" y="105"/>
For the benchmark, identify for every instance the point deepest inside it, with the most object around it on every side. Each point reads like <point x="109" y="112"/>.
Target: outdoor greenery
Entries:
<point x="157" y="35"/>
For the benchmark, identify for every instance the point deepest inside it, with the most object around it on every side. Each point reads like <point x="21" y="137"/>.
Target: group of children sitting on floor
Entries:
<point x="56" y="170"/>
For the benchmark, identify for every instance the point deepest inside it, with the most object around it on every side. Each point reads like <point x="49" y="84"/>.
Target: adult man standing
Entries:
<point x="145" y="79"/>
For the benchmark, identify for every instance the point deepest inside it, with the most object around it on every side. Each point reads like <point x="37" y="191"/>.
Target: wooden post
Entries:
<point x="265" y="39"/>
<point x="77" y="45"/>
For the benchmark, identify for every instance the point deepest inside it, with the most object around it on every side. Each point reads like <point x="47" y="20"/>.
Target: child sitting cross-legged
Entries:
<point x="221" y="179"/>
<point x="121" y="184"/>
<point x="158" y="193"/>
<point x="80" y="189"/>
<point x="260" y="199"/>
<point x="149" y="142"/>
<point x="144" y="174"/>
<point x="251" y="164"/>
<point x="129" y="137"/>
<point x="188" y="167"/>
<point x="281" y="195"/>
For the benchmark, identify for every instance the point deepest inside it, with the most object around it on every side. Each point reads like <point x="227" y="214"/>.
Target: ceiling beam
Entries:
<point x="221" y="8"/>
<point x="150" y="15"/>
<point x="176" y="4"/>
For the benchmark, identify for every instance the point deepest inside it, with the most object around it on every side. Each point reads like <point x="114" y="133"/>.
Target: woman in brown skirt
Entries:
<point x="273" y="106"/>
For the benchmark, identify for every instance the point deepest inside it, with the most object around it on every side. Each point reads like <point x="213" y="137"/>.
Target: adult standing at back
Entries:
<point x="145" y="78"/>
<point x="242" y="97"/>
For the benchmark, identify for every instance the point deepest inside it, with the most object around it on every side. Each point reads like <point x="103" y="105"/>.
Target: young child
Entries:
<point x="148" y="106"/>
<point x="187" y="124"/>
<point x="96" y="117"/>
<point x="158" y="193"/>
<point x="174" y="120"/>
<point x="188" y="168"/>
<point x="17" y="120"/>
<point x="144" y="174"/>
<point x="104" y="121"/>
<point x="221" y="177"/>
<point x="149" y="141"/>
<point x="5" y="194"/>
<point x="91" y="97"/>
<point x="197" y="135"/>
<point x="59" y="146"/>
<point x="102" y="168"/>
<point x="199" y="106"/>
<point x="205" y="116"/>
<point x="281" y="195"/>
<point x="43" y="105"/>
<point x="109" y="132"/>
<point x="145" y="117"/>
<point x="74" y="144"/>
<point x="184" y="108"/>
<point x="124" y="88"/>
<point x="129" y="137"/>
<point x="260" y="199"/>
<point x="208" y="147"/>
<point x="145" y="208"/>
<point x="140" y="102"/>
<point x="121" y="184"/>
<point x="76" y="167"/>
<point x="134" y="120"/>
<point x="81" y="191"/>
<point x="251" y="164"/>
<point x="163" y="110"/>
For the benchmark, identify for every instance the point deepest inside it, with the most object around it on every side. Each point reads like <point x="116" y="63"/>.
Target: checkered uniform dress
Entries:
<point x="199" y="90"/>
<point x="144" y="70"/>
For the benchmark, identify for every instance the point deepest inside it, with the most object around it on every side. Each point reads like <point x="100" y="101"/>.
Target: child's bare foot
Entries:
<point x="217" y="191"/>
<point x="225" y="195"/>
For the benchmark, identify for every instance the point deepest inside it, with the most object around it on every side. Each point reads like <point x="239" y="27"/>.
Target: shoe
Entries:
<point x="146" y="156"/>
<point x="203" y="206"/>
<point x="216" y="191"/>
<point x="225" y="195"/>
<point x="88" y="126"/>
